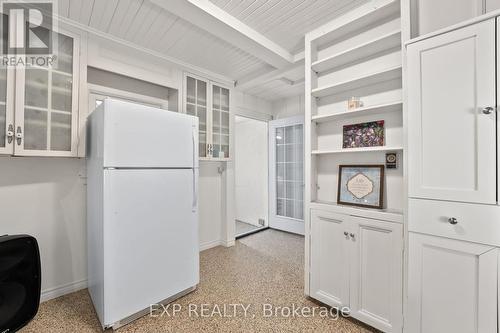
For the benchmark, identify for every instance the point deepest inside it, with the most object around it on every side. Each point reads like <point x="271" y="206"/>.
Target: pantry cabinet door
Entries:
<point x="451" y="101"/>
<point x="376" y="279"/>
<point x="47" y="103"/>
<point x="452" y="286"/>
<point x="329" y="268"/>
<point x="7" y="85"/>
<point x="196" y="103"/>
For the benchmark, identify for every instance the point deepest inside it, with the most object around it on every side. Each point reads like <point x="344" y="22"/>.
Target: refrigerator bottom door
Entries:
<point x="151" y="248"/>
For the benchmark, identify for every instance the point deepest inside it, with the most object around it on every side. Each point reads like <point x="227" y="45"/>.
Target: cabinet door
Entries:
<point x="329" y="270"/>
<point x="6" y="110"/>
<point x="451" y="136"/>
<point x="196" y="104"/>
<point x="452" y="286"/>
<point x="220" y="121"/>
<point x="377" y="273"/>
<point x="47" y="104"/>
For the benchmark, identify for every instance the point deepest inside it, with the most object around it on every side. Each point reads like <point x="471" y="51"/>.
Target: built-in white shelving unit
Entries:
<point x="356" y="55"/>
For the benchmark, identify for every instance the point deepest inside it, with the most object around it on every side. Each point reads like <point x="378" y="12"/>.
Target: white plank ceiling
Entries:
<point x="150" y="26"/>
<point x="286" y="21"/>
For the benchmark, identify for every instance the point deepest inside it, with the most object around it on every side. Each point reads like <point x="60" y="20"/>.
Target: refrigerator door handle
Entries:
<point x="195" y="188"/>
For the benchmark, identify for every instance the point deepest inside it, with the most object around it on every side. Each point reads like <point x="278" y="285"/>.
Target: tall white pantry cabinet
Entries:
<point x="453" y="212"/>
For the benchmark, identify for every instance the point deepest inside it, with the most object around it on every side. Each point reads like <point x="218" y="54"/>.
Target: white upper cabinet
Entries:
<point x="39" y="105"/>
<point x="210" y="102"/>
<point x="47" y="104"/>
<point x="451" y="102"/>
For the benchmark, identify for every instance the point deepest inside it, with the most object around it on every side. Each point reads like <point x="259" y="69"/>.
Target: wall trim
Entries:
<point x="51" y="293"/>
<point x="209" y="245"/>
<point x="68" y="288"/>
<point x="228" y="243"/>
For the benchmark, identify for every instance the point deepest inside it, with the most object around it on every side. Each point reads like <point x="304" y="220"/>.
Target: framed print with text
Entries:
<point x="361" y="185"/>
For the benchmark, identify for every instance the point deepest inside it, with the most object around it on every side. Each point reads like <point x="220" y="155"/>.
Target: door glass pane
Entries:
<point x="290" y="171"/>
<point x="60" y="131"/>
<point x="35" y="129"/>
<point x="48" y="102"/>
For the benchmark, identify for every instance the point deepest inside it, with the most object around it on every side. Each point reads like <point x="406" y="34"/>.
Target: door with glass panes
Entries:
<point x="286" y="174"/>
<point x="47" y="104"/>
<point x="210" y="102"/>
<point x="39" y="105"/>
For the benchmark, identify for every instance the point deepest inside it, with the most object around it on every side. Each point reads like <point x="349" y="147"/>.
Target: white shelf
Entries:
<point x="363" y="21"/>
<point x="372" y="110"/>
<point x="363" y="81"/>
<point x="356" y="150"/>
<point x="363" y="51"/>
<point x="391" y="215"/>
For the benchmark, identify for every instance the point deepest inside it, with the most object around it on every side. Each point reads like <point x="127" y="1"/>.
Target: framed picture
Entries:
<point x="361" y="185"/>
<point x="370" y="134"/>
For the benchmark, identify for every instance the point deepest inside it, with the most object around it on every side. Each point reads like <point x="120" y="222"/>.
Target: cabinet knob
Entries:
<point x="452" y="220"/>
<point x="10" y="133"/>
<point x="346" y="233"/>
<point x="352" y="235"/>
<point x="488" y="110"/>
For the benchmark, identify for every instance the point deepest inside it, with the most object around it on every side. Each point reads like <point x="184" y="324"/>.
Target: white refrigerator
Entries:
<point x="142" y="216"/>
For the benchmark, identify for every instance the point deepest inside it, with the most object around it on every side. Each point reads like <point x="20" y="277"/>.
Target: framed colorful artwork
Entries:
<point x="370" y="134"/>
<point x="361" y="185"/>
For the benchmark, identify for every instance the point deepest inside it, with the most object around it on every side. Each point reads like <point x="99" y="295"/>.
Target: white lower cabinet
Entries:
<point x="357" y="263"/>
<point x="452" y="286"/>
<point x="329" y="258"/>
<point x="376" y="279"/>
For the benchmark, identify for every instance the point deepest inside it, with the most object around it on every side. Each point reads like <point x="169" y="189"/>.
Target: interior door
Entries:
<point x="150" y="238"/>
<point x="377" y="273"/>
<point x="452" y="116"/>
<point x="286" y="174"/>
<point x="329" y="258"/>
<point x="452" y="286"/>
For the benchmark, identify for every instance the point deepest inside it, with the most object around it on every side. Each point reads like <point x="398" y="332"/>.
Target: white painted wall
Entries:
<point x="251" y="170"/>
<point x="288" y="107"/>
<point x="46" y="198"/>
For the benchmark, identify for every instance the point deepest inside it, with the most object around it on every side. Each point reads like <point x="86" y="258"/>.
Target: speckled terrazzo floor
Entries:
<point x="264" y="268"/>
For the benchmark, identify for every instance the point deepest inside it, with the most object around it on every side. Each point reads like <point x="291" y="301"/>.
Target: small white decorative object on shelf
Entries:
<point x="354" y="103"/>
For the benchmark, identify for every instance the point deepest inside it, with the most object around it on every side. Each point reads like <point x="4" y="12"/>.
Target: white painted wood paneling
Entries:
<point x="286" y="22"/>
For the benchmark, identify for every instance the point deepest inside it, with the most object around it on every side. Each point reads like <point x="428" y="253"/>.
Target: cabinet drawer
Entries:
<point x="474" y="222"/>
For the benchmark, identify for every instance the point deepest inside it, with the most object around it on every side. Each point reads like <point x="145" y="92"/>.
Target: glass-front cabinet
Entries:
<point x="210" y="102"/>
<point x="39" y="104"/>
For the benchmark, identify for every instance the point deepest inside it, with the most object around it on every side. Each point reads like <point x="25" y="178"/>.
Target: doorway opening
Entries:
<point x="251" y="176"/>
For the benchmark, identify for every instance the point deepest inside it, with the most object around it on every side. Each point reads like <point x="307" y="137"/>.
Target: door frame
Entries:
<point x="281" y="223"/>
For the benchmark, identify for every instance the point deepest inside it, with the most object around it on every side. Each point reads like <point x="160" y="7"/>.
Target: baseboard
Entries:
<point x="69" y="288"/>
<point x="209" y="245"/>
<point x="59" y="291"/>
<point x="228" y="243"/>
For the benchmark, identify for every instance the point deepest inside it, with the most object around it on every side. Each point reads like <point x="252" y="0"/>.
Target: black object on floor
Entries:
<point x="20" y="280"/>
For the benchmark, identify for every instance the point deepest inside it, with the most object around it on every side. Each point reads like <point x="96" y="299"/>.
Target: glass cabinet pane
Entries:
<point x="191" y="90"/>
<point x="48" y="101"/>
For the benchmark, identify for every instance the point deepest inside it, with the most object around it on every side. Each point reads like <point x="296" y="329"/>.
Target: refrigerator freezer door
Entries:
<point x="151" y="248"/>
<point x="137" y="136"/>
